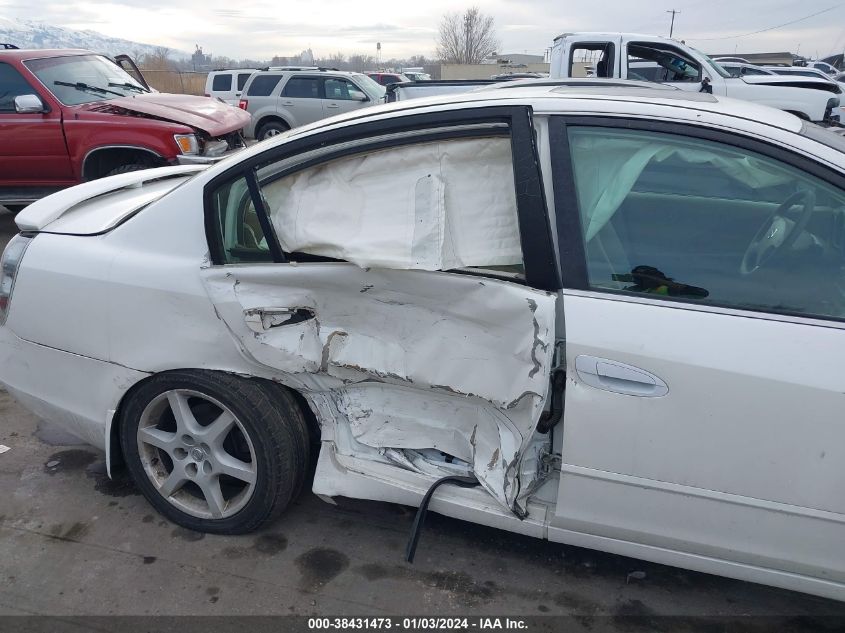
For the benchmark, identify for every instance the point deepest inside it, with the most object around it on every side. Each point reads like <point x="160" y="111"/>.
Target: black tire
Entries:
<point x="270" y="129"/>
<point x="271" y="420"/>
<point x="124" y="169"/>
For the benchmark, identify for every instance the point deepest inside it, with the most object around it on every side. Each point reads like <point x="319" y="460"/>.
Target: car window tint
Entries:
<point x="242" y="79"/>
<point x="431" y="205"/>
<point x="341" y="89"/>
<point x="700" y="221"/>
<point x="671" y="63"/>
<point x="12" y="85"/>
<point x="222" y="82"/>
<point x="243" y="238"/>
<point x="302" y="88"/>
<point x="263" y="85"/>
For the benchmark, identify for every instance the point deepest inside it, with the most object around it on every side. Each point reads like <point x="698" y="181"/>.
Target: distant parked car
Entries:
<point x="513" y="76"/>
<point x="417" y="76"/>
<point x="737" y="69"/>
<point x="800" y="71"/>
<point x="282" y="98"/>
<point x="734" y="60"/>
<point x="227" y="84"/>
<point x="69" y="116"/>
<point x="385" y="79"/>
<point x="826" y="68"/>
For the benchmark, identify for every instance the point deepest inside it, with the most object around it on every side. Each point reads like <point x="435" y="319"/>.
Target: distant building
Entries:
<point x="199" y="60"/>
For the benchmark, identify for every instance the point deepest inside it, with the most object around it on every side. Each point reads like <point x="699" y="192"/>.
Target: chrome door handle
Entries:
<point x="611" y="375"/>
<point x="332" y="105"/>
<point x="287" y="103"/>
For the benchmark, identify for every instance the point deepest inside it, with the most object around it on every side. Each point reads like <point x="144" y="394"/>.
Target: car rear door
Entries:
<point x="704" y="404"/>
<point x="413" y="303"/>
<point x="302" y="99"/>
<point x="32" y="145"/>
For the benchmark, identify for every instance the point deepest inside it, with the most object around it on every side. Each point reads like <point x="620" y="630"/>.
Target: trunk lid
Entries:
<point x="98" y="206"/>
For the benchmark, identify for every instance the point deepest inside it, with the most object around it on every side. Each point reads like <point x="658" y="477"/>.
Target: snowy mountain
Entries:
<point x="29" y="34"/>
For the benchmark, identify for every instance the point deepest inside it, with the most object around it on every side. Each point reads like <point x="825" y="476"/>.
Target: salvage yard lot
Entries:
<point x="73" y="542"/>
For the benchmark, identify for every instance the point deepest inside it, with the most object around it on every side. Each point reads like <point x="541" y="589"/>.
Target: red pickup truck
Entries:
<point x="68" y="116"/>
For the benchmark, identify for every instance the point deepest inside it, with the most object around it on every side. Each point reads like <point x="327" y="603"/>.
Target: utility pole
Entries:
<point x="672" y="25"/>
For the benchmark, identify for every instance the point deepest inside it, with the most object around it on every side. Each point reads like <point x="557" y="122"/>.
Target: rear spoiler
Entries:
<point x="46" y="210"/>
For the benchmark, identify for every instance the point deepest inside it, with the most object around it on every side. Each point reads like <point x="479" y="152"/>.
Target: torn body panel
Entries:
<point x="420" y="365"/>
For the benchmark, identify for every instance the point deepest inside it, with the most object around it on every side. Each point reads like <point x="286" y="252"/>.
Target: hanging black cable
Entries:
<point x="416" y="528"/>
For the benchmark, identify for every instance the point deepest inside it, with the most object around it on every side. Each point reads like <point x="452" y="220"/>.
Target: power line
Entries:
<point x="771" y="28"/>
<point x="672" y="25"/>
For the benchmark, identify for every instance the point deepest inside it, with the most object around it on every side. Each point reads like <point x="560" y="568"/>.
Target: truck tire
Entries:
<point x="124" y="169"/>
<point x="214" y="452"/>
<point x="270" y="129"/>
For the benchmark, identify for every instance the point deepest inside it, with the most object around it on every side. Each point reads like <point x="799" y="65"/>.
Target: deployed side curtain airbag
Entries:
<point x="432" y="206"/>
<point x="608" y="163"/>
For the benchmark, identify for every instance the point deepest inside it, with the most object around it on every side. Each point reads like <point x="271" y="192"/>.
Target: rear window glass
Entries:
<point x="222" y="82"/>
<point x="242" y="79"/>
<point x="302" y="88"/>
<point x="263" y="85"/>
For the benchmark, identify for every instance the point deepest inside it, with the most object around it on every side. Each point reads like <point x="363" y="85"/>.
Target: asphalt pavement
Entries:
<point x="73" y="542"/>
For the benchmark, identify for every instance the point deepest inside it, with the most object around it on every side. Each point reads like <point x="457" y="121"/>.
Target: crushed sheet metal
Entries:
<point x="421" y="360"/>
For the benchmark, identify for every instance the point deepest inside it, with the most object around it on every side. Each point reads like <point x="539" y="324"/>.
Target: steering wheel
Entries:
<point x="778" y="233"/>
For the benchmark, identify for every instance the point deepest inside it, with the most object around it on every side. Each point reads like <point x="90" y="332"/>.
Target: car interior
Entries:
<point x="702" y="222"/>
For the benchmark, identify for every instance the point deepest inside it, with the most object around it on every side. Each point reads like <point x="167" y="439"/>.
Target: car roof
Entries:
<point x="612" y="100"/>
<point x="678" y="106"/>
<point x="23" y="54"/>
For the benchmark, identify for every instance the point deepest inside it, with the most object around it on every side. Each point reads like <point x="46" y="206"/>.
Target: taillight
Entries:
<point x="9" y="264"/>
<point x="242" y="104"/>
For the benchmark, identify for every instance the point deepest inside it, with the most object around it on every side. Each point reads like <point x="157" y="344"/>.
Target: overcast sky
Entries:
<point x="263" y="28"/>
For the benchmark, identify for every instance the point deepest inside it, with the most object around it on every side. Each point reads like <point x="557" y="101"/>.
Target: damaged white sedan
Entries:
<point x="611" y="317"/>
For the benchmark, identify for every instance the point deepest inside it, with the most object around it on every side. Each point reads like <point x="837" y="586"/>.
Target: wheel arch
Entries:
<point x="270" y="118"/>
<point x="114" y="453"/>
<point x="101" y="160"/>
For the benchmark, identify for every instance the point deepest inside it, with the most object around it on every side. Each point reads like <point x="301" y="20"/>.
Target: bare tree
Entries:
<point x="467" y="38"/>
<point x="159" y="59"/>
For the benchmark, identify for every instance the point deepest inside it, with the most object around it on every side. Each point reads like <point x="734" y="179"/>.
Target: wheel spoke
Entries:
<point x="156" y="437"/>
<point x="213" y="496"/>
<point x="185" y="420"/>
<point x="234" y="467"/>
<point x="217" y="431"/>
<point x="173" y="483"/>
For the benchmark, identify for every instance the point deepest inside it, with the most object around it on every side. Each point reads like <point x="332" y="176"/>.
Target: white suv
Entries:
<point x="282" y="98"/>
<point x="227" y="84"/>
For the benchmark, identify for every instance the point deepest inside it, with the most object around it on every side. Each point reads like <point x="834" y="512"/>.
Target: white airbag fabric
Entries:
<point x="432" y="206"/>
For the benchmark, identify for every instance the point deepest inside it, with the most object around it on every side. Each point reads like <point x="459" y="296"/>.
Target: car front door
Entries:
<point x="704" y="311"/>
<point x="412" y="303"/>
<point x="302" y="99"/>
<point x="342" y="96"/>
<point x="32" y="145"/>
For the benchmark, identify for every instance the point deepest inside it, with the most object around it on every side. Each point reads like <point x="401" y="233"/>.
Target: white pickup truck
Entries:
<point x="653" y="58"/>
<point x="623" y="56"/>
